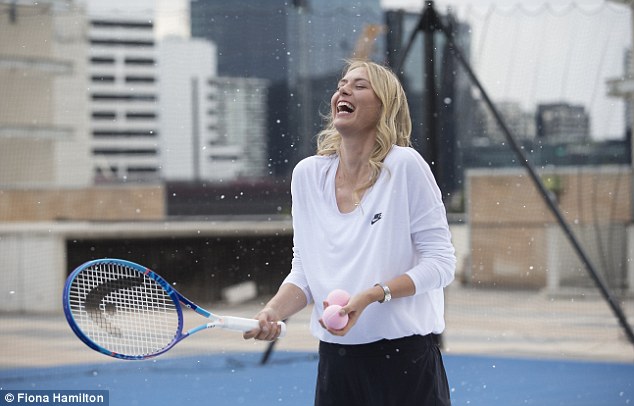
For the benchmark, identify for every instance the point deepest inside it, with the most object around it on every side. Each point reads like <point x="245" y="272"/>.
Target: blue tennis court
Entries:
<point x="288" y="379"/>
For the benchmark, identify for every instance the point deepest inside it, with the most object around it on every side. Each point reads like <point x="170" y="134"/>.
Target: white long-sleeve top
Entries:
<point x="400" y="227"/>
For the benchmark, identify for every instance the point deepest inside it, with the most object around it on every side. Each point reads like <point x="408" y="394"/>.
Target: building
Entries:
<point x="557" y="122"/>
<point x="280" y="40"/>
<point x="212" y="128"/>
<point x="628" y="69"/>
<point x="521" y="123"/>
<point x="43" y="119"/>
<point x="299" y="47"/>
<point x="239" y="149"/>
<point x="123" y="96"/>
<point x="187" y="112"/>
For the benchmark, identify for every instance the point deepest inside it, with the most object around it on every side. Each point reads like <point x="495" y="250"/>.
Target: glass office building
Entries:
<point x="299" y="47"/>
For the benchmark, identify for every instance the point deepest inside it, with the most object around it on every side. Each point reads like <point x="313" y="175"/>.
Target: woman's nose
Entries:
<point x="344" y="90"/>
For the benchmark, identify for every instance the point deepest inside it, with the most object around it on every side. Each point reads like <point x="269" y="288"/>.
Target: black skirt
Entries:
<point x="403" y="372"/>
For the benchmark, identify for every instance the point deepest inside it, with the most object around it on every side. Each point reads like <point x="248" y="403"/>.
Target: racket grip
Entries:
<point x="242" y="324"/>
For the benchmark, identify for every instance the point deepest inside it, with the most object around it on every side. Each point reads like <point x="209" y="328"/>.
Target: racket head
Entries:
<point x="122" y="309"/>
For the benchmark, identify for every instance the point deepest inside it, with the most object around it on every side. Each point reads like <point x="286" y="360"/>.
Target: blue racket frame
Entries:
<point x="176" y="297"/>
<point x="90" y="303"/>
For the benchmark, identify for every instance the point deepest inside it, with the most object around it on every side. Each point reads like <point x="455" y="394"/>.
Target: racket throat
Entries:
<point x="199" y="328"/>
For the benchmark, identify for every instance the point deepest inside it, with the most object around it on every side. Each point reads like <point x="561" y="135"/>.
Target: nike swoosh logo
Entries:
<point x="377" y="217"/>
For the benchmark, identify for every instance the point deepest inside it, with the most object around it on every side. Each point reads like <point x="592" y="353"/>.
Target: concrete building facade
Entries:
<point x="43" y="118"/>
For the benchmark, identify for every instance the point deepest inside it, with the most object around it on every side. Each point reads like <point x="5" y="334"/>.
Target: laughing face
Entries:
<point x="355" y="107"/>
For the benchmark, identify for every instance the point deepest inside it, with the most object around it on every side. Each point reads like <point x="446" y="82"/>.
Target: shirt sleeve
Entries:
<point x="436" y="260"/>
<point x="436" y="263"/>
<point x="297" y="276"/>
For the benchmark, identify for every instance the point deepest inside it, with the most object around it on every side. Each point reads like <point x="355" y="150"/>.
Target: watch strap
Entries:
<point x="387" y="294"/>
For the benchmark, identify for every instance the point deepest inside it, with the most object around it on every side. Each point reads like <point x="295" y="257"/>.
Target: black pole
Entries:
<point x="269" y="350"/>
<point x="601" y="284"/>
<point x="267" y="353"/>
<point x="427" y="24"/>
<point x="448" y="124"/>
<point x="430" y="107"/>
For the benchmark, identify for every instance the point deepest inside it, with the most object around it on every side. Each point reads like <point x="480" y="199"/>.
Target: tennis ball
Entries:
<point x="332" y="319"/>
<point x="338" y="297"/>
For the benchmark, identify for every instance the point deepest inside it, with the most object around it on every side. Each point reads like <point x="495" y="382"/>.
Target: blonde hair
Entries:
<point x="393" y="128"/>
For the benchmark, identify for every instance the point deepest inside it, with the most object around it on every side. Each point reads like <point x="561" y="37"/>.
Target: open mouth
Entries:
<point x="344" y="107"/>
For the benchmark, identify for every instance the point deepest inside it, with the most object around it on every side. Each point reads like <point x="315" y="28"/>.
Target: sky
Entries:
<point x="536" y="51"/>
<point x="528" y="51"/>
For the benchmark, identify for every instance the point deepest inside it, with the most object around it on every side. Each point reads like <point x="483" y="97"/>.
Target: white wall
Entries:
<point x="72" y="156"/>
<point x="32" y="272"/>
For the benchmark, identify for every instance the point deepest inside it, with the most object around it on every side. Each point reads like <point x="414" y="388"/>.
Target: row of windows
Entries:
<point x="124" y="133"/>
<point x="136" y="43"/>
<point x="111" y="115"/>
<point x="128" y="60"/>
<point x="127" y="79"/>
<point x="131" y="97"/>
<point x="125" y="152"/>
<point x="142" y="169"/>
<point x="216" y="158"/>
<point x="122" y="24"/>
<point x="130" y="170"/>
<point x="249" y="93"/>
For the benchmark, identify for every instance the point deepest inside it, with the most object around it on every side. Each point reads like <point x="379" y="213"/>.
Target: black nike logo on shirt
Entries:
<point x="376" y="218"/>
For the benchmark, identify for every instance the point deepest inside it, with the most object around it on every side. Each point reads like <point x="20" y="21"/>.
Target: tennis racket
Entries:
<point x="126" y="311"/>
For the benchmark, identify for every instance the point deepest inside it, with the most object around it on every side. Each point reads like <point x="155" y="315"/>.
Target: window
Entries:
<point x="102" y="60"/>
<point x="102" y="78"/>
<point x="140" y="115"/>
<point x="104" y="115"/>
<point x="139" y="61"/>
<point x="139" y="79"/>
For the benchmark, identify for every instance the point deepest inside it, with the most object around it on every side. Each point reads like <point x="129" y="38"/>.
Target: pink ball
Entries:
<point x="338" y="297"/>
<point x="332" y="319"/>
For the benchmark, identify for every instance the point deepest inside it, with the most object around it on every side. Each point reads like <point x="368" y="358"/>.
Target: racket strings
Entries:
<point x="123" y="310"/>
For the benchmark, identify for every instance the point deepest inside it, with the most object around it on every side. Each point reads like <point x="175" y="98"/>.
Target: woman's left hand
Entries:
<point x="355" y="307"/>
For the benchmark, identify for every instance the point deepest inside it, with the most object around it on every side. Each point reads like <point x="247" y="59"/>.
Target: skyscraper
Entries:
<point x="187" y="112"/>
<point x="123" y="99"/>
<point x="298" y="46"/>
<point x="562" y="122"/>
<point x="239" y="148"/>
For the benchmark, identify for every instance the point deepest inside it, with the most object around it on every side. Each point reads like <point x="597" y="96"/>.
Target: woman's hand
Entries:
<point x="269" y="330"/>
<point x="355" y="307"/>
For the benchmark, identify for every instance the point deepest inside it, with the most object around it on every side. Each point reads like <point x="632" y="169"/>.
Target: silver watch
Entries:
<point x="387" y="294"/>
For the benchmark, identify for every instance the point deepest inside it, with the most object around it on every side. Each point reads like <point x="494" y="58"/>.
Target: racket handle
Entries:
<point x="242" y="324"/>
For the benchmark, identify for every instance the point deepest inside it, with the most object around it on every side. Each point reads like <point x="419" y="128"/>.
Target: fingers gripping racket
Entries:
<point x="126" y="311"/>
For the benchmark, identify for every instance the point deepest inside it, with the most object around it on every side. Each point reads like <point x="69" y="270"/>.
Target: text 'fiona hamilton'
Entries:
<point x="54" y="397"/>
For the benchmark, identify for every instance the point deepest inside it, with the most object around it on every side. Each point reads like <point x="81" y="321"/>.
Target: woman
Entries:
<point x="368" y="218"/>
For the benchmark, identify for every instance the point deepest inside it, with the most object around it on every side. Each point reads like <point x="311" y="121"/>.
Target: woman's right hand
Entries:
<point x="269" y="329"/>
